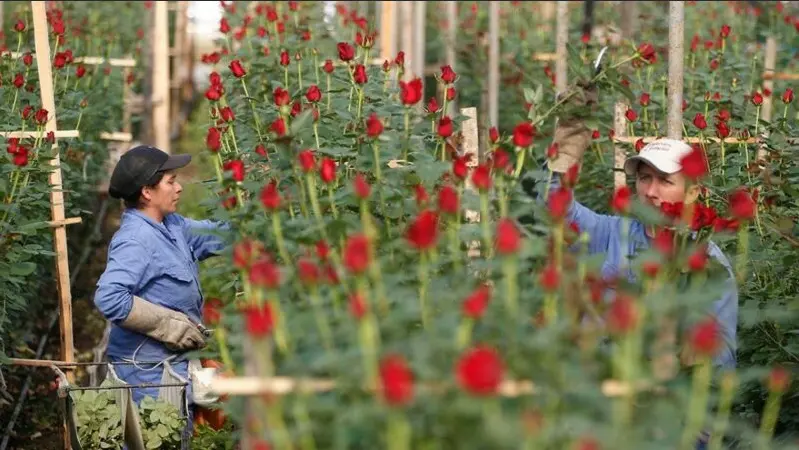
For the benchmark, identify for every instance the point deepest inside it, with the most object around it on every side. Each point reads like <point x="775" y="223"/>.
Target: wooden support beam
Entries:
<point x="676" y="63"/>
<point x="65" y="222"/>
<point x="255" y="386"/>
<point x="561" y="40"/>
<point x="42" y="45"/>
<point x="93" y="60"/>
<point x="118" y="136"/>
<point x="406" y="42"/>
<point x="688" y="140"/>
<point x="388" y="30"/>
<point x="784" y="76"/>
<point x="161" y="127"/>
<point x="619" y="152"/>
<point x="450" y="36"/>
<point x="59" y="134"/>
<point x="418" y="53"/>
<point x="493" y="64"/>
<point x="471" y="146"/>
<point x="545" y="56"/>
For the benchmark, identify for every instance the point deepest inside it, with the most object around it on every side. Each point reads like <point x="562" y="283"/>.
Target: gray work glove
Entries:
<point x="571" y="134"/>
<point x="173" y="328"/>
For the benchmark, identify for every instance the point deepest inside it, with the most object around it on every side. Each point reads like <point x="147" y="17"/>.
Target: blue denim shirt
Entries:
<point x="605" y="238"/>
<point x="159" y="263"/>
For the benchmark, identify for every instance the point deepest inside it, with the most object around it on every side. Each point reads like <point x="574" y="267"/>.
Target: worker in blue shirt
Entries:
<point x="150" y="290"/>
<point x="658" y="178"/>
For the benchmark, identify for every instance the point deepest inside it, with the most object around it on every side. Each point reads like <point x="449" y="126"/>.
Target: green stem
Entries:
<point x="698" y="406"/>
<point x="254" y="114"/>
<point x="321" y="320"/>
<point x="278" y="232"/>
<point x="224" y="352"/>
<point x="398" y="432"/>
<point x="423" y="279"/>
<point x="722" y="417"/>
<point x="484" y="222"/>
<point x="511" y="294"/>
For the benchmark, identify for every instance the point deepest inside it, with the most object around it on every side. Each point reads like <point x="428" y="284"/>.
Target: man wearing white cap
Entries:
<point x="658" y="179"/>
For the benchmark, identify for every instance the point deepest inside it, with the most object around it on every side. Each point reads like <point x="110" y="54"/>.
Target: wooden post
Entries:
<point x="160" y="79"/>
<point x="561" y="39"/>
<point x="177" y="56"/>
<point x="42" y="45"/>
<point x="471" y="146"/>
<point x="388" y="30"/>
<point x="547" y="13"/>
<point x="676" y="55"/>
<point x="629" y="19"/>
<point x="769" y="67"/>
<point x="493" y="64"/>
<point x="619" y="154"/>
<point x="419" y="41"/>
<point x="450" y="35"/>
<point x="406" y="9"/>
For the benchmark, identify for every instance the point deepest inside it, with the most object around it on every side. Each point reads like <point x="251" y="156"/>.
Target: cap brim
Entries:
<point x="631" y="165"/>
<point x="176" y="162"/>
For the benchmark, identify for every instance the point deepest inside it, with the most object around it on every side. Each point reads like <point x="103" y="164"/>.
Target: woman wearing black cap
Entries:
<point x="150" y="290"/>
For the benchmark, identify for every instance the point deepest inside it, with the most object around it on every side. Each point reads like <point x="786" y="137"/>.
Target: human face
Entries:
<point x="654" y="187"/>
<point x="163" y="198"/>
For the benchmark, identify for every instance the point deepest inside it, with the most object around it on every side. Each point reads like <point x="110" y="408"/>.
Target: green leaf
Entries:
<point x="301" y="121"/>
<point x="23" y="269"/>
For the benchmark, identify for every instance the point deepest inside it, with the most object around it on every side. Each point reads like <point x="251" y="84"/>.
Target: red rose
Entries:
<point x="523" y="134"/>
<point x="445" y="127"/>
<point x="704" y="337"/>
<point x="259" y="320"/>
<point x="213" y="140"/>
<point x="396" y="380"/>
<point x="270" y="197"/>
<point x="508" y="239"/>
<point x="481" y="177"/>
<point x="237" y="69"/>
<point x="328" y="67"/>
<point x="359" y="74"/>
<point x="285" y="59"/>
<point x="475" y="304"/>
<point x="422" y="234"/>
<point x="327" y="170"/>
<point x="621" y="200"/>
<point x="356" y="254"/>
<point x="447" y="74"/>
<point x="694" y="164"/>
<point x="281" y="97"/>
<point x="307" y="160"/>
<point x="480" y="371"/>
<point x="559" y="203"/>
<point x="699" y="121"/>
<point x="313" y="94"/>
<point x="374" y="127"/>
<point x="346" y="52"/>
<point x="411" y="92"/>
<point x="622" y="315"/>
<point x="264" y="273"/>
<point x="236" y="167"/>
<point x="742" y="206"/>
<point x="361" y="187"/>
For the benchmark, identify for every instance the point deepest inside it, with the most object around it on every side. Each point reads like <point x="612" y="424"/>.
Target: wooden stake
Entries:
<point x="471" y="146"/>
<point x="94" y="60"/>
<point x="450" y="35"/>
<point x="388" y="31"/>
<point x="687" y="140"/>
<point x="676" y="55"/>
<point x="493" y="64"/>
<point x="34" y="133"/>
<point x="160" y="69"/>
<point x="619" y="152"/>
<point x="40" y="32"/>
<point x="561" y="39"/>
<point x="419" y="42"/>
<point x="629" y="19"/>
<point x="406" y="24"/>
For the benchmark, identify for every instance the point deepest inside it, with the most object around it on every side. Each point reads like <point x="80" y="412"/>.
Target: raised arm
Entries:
<point x="204" y="236"/>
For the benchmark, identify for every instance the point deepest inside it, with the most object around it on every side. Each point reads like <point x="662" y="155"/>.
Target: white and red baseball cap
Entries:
<point x="663" y="155"/>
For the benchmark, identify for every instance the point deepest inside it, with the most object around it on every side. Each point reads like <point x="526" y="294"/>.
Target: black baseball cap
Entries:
<point x="140" y="166"/>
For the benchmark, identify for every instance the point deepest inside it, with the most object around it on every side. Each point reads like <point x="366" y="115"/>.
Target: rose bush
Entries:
<point x="353" y="257"/>
<point x="87" y="98"/>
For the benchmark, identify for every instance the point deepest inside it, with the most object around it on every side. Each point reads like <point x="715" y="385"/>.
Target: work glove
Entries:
<point x="173" y="328"/>
<point x="572" y="136"/>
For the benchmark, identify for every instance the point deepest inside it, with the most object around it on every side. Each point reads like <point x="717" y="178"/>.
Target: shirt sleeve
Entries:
<point x="204" y="236"/>
<point x="600" y="227"/>
<point x="126" y="267"/>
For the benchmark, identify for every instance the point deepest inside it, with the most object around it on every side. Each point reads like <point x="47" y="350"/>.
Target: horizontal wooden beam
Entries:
<point x="781" y="76"/>
<point x="116" y="62"/>
<point x="545" y="56"/>
<point x="93" y="60"/>
<point x="59" y="134"/>
<point x="65" y="222"/>
<point x="250" y="386"/>
<point x="118" y="136"/>
<point x="39" y="362"/>
<point x="689" y="140"/>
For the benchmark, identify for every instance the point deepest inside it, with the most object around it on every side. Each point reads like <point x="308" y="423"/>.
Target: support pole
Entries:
<point x="388" y="30"/>
<point x="619" y="153"/>
<point x="419" y="41"/>
<point x="561" y="39"/>
<point x="160" y="67"/>
<point x="676" y="56"/>
<point x="450" y="34"/>
<point x="406" y="9"/>
<point x="493" y="64"/>
<point x="769" y="67"/>
<point x="629" y="19"/>
<point x="42" y="45"/>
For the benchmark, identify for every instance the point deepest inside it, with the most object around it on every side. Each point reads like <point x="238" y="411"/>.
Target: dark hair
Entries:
<point x="133" y="200"/>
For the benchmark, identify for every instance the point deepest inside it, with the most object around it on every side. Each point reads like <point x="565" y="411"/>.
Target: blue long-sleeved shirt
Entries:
<point x="159" y="263"/>
<point x="605" y="238"/>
